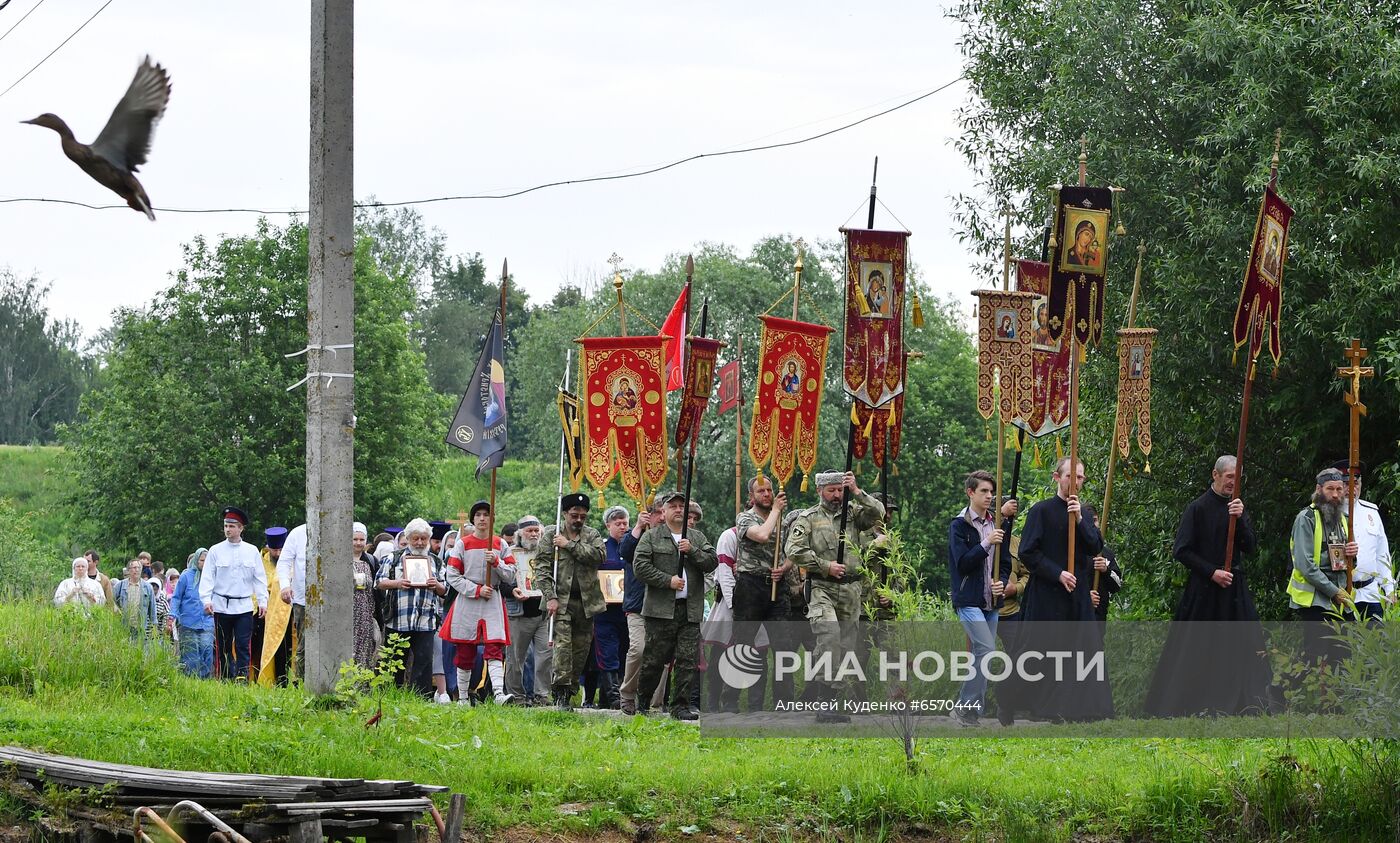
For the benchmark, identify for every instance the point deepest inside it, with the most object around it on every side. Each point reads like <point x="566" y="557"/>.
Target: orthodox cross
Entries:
<point x="1355" y="372"/>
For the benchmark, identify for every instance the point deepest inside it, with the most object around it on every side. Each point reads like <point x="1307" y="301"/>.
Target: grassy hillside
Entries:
<point x="74" y="685"/>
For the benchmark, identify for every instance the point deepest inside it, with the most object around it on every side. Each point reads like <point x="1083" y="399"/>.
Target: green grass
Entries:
<point x="74" y="685"/>
<point x="37" y="479"/>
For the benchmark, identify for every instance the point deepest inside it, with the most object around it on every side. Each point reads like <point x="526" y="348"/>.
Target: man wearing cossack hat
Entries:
<point x="566" y="573"/>
<point x="233" y="589"/>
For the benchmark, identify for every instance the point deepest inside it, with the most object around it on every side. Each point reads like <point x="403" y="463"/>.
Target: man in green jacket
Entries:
<point x="834" y="610"/>
<point x="673" y="561"/>
<point x="566" y="573"/>
<point x="1321" y="555"/>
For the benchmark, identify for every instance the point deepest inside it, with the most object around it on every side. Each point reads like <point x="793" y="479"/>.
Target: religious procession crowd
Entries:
<point x="536" y="613"/>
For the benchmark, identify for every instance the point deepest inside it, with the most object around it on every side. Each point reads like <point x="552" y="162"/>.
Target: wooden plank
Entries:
<point x="307" y="831"/>
<point x="456" y="815"/>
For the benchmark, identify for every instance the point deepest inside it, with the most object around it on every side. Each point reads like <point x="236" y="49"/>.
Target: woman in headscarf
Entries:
<point x="194" y="629"/>
<point x="79" y="590"/>
<point x="365" y="629"/>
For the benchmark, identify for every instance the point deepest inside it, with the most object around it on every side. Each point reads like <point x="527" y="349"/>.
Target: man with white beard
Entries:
<point x="528" y="623"/>
<point x="1321" y="555"/>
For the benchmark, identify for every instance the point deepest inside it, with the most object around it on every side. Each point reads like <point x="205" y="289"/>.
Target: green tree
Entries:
<point x="1180" y="101"/>
<point x="194" y="413"/>
<point x="42" y="372"/>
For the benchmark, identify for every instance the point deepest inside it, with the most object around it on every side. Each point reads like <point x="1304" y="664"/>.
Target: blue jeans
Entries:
<point x="197" y="652"/>
<point x="981" y="628"/>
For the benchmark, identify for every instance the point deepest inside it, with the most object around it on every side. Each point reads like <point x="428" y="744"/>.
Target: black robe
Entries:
<point x="1056" y="620"/>
<point x="1213" y="661"/>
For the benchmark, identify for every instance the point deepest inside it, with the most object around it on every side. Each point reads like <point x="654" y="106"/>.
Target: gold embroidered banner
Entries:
<point x="788" y="396"/>
<point x="1050" y="408"/>
<point x="1004" y="353"/>
<point x="873" y="364"/>
<point x="1134" y="389"/>
<point x="874" y="425"/>
<point x="699" y="383"/>
<point x="624" y="402"/>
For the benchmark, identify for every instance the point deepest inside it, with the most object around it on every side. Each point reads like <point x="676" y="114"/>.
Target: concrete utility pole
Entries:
<point x="330" y="322"/>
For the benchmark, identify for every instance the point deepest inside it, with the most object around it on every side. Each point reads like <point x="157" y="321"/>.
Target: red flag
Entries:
<point x="729" y="386"/>
<point x="675" y="327"/>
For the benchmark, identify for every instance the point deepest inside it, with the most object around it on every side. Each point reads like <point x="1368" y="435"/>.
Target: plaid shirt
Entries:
<point x="414" y="609"/>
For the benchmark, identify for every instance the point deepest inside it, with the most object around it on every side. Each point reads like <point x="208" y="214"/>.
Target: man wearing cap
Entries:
<point x="528" y="626"/>
<point x="291" y="579"/>
<point x="270" y="639"/>
<point x="813" y="542"/>
<point x="233" y="588"/>
<point x="756" y="531"/>
<point x="1321" y="555"/>
<point x="673" y="561"/>
<point x="479" y="566"/>
<point x="1373" y="580"/>
<point x="567" y="577"/>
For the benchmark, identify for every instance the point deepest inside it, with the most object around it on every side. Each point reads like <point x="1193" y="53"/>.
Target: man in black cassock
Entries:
<point x="1058" y="607"/>
<point x="1213" y="662"/>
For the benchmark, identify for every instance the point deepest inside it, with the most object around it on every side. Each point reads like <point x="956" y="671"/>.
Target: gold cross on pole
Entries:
<point x="1355" y="372"/>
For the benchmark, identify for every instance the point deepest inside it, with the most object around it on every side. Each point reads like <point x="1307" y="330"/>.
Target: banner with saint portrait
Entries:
<point x="1079" y="262"/>
<point x="873" y="366"/>
<point x="1262" y="295"/>
<point x="1049" y="356"/>
<point x="1134" y="389"/>
<point x="877" y="430"/>
<point x="1004" y="353"/>
<point x="624" y="412"/>
<point x="788" y="396"/>
<point x="698" y="384"/>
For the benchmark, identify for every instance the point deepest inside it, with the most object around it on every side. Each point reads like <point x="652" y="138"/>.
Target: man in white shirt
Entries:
<point x="291" y="573"/>
<point x="233" y="588"/>
<point x="1373" y="580"/>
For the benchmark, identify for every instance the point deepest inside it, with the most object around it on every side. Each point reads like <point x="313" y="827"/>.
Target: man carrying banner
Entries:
<point x="673" y="566"/>
<point x="813" y="542"/>
<point x="1206" y="667"/>
<point x="566" y="573"/>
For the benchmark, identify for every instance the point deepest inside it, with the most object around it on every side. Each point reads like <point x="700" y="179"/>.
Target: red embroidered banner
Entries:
<point x="1004" y="353"/>
<point x="624" y="402"/>
<point x="699" y="383"/>
<point x="873" y="426"/>
<point x="1050" y="357"/>
<point x="1263" y="278"/>
<point x="873" y="368"/>
<point x="792" y="358"/>
<point x="728" y="386"/>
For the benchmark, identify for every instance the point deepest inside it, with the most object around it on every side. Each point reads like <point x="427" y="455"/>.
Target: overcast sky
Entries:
<point x="467" y="97"/>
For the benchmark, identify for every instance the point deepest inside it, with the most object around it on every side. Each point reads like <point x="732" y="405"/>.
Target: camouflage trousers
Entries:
<point x="573" y="637"/>
<point x="667" y="639"/>
<point x="834" y="613"/>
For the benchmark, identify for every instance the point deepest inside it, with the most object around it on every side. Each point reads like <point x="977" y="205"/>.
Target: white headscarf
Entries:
<point x="359" y="528"/>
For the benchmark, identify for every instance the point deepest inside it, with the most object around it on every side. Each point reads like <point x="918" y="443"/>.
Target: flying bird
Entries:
<point x="123" y="144"/>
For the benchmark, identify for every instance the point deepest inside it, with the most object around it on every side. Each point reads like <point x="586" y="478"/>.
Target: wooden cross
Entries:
<point x="1355" y="372"/>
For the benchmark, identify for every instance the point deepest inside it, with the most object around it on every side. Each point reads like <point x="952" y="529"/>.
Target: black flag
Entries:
<point x="479" y="427"/>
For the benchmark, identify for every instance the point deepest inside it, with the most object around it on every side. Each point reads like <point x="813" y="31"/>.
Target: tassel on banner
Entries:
<point x="1036" y="461"/>
<point x="803" y="488"/>
<point x="869" y="424"/>
<point x="573" y="429"/>
<point x="918" y="318"/>
<point x="1147" y="468"/>
<point x="861" y="303"/>
<point x="1235" y="357"/>
<point x="894" y="469"/>
<point x="1059" y="450"/>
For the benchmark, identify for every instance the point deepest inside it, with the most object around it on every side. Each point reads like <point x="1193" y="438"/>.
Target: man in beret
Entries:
<point x="566" y="573"/>
<point x="813" y="542"/>
<point x="673" y="560"/>
<point x="1321" y="554"/>
<point x="233" y="589"/>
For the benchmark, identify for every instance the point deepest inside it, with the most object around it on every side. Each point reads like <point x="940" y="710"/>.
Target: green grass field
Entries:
<point x="74" y="685"/>
<point x="35" y="478"/>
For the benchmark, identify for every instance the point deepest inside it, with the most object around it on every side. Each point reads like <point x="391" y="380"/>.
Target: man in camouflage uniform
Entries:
<point x="834" y="608"/>
<point x="673" y="566"/>
<point x="566" y="573"/>
<point x="754" y="601"/>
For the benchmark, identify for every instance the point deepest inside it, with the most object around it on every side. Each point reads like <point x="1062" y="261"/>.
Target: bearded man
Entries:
<point x="1321" y="555"/>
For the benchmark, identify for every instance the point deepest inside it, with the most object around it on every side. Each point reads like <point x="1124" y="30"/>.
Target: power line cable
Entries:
<point x="55" y="49"/>
<point x="21" y="20"/>
<point x="514" y="193"/>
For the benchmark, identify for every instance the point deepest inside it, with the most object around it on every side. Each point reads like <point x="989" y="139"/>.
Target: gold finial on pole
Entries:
<point x="1083" y="160"/>
<point x="617" y="282"/>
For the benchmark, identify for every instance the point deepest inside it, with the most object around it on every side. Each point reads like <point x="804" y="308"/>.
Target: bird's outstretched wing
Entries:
<point x="126" y="139"/>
